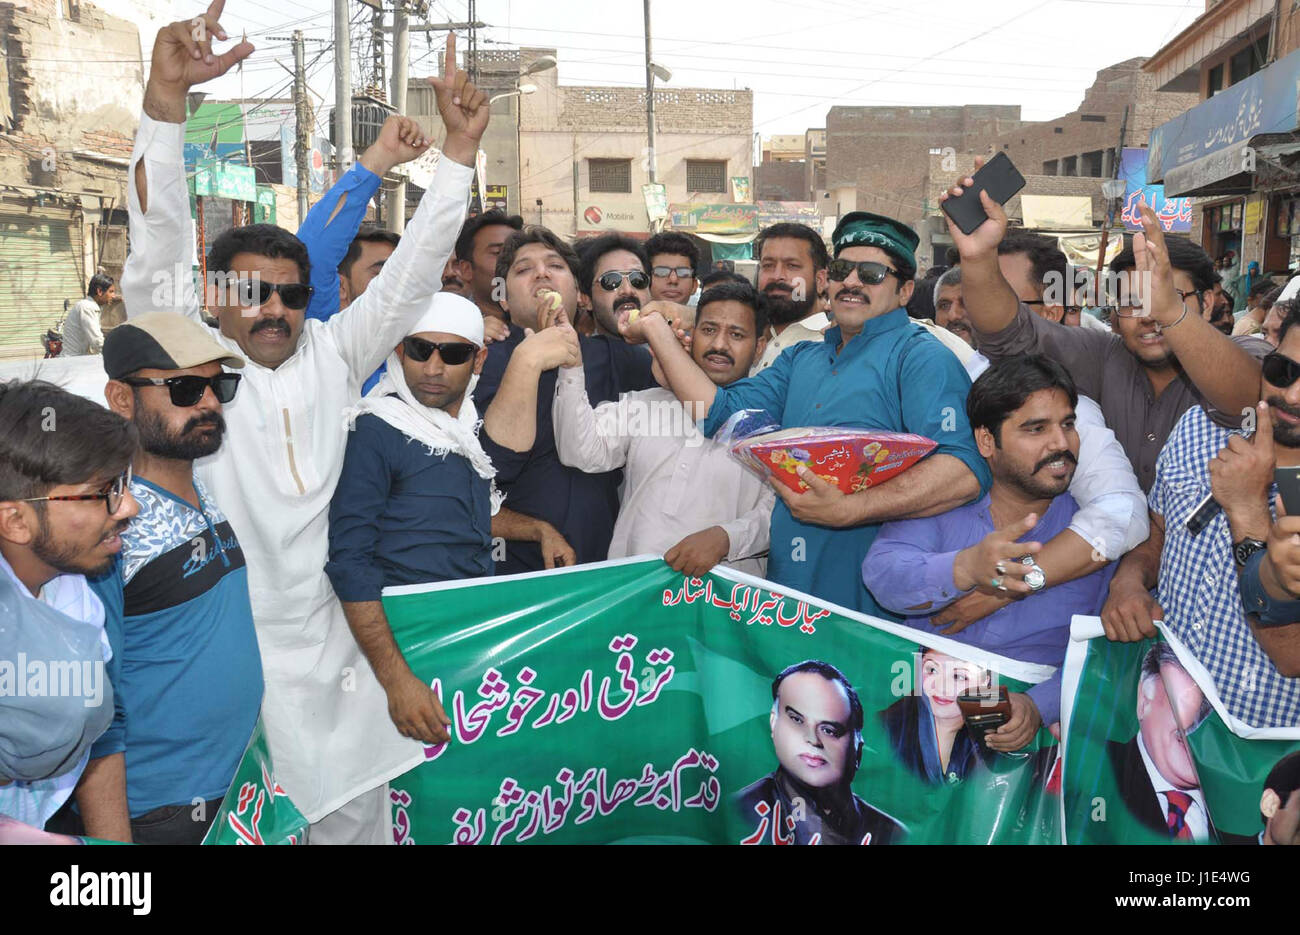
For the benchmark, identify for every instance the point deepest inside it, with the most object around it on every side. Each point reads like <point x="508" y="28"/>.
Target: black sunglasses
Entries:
<point x="663" y="272"/>
<point x="614" y="278"/>
<point x="451" y="352"/>
<point x="187" y="390"/>
<point x="869" y="272"/>
<point x="111" y="493"/>
<point x="255" y="292"/>
<point x="1280" y="370"/>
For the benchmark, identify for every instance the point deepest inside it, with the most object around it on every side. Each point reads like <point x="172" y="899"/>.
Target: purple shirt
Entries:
<point x="909" y="567"/>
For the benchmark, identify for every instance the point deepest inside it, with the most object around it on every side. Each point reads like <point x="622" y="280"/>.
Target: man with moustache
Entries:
<point x="65" y="499"/>
<point x="185" y="657"/>
<point x="1156" y="776"/>
<point x="414" y="502"/>
<point x="684" y="496"/>
<point x="792" y="277"/>
<point x="1022" y="411"/>
<point x="949" y="310"/>
<point x="553" y="514"/>
<point x="613" y="280"/>
<point x="326" y="715"/>
<point x="1202" y="577"/>
<point x="816" y="725"/>
<point x="874" y="370"/>
<point x="792" y="262"/>
<point x="1159" y="362"/>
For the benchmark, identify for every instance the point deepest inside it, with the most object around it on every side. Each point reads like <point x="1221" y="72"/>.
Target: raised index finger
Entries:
<point x="448" y="58"/>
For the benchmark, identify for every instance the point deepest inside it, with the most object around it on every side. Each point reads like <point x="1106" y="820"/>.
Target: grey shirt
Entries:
<point x="1103" y="368"/>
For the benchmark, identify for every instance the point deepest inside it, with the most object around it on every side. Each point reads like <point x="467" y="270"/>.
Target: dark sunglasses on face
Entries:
<point x="255" y="292"/>
<point x="614" y="278"/>
<point x="869" y="273"/>
<point x="1280" y="370"/>
<point x="187" y="390"/>
<point x="663" y="272"/>
<point x="111" y="493"/>
<point x="451" y="352"/>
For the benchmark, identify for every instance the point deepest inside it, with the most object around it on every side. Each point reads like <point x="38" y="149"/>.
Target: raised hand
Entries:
<point x="1240" y="475"/>
<point x="400" y="140"/>
<point x="984" y="240"/>
<point x="463" y="107"/>
<point x="183" y="57"/>
<point x="1153" y="276"/>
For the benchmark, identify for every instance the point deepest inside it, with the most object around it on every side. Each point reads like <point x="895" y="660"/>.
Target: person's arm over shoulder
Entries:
<point x="908" y="568"/>
<point x="591" y="440"/>
<point x="327" y="233"/>
<point x="766" y="391"/>
<point x="158" y="275"/>
<point x="359" y="501"/>
<point x="1081" y="351"/>
<point x="1256" y="349"/>
<point x="1112" y="514"/>
<point x="367" y="330"/>
<point x="934" y="405"/>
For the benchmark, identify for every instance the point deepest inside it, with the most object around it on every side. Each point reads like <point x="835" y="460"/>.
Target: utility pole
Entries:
<point x="377" y="50"/>
<point x="401" y="61"/>
<point x="1110" y="202"/>
<point x="342" y="85"/>
<point x="471" y="57"/>
<point x="303" y="119"/>
<point x="649" y="99"/>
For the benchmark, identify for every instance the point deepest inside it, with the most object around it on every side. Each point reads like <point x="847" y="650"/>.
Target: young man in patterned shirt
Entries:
<point x="1199" y="576"/>
<point x="189" y="670"/>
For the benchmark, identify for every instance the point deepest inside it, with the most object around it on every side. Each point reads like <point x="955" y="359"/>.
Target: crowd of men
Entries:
<point x="222" y="533"/>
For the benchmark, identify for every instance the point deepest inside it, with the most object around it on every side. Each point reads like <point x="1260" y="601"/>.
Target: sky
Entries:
<point x="799" y="57"/>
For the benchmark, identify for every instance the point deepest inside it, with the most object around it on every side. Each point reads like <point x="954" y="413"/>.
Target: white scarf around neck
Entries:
<point x="436" y="429"/>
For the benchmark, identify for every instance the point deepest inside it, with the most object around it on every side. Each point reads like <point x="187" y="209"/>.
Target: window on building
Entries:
<point x="609" y="175"/>
<point x="1070" y="165"/>
<point x="1090" y="164"/>
<point x="1050" y="167"/>
<point x="706" y="175"/>
<point x="1214" y="81"/>
<point x="1092" y="118"/>
<point x="1057" y="130"/>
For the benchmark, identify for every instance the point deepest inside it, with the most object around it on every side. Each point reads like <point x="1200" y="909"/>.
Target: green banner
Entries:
<point x="1151" y="754"/>
<point x="625" y="703"/>
<point x="256" y="810"/>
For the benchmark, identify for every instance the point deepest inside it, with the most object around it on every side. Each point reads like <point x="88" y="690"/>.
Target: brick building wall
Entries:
<point x="780" y="181"/>
<point x="1083" y="142"/>
<point x="880" y="151"/>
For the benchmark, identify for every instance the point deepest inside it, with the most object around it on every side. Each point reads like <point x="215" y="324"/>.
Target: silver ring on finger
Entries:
<point x="1001" y="569"/>
<point x="997" y="583"/>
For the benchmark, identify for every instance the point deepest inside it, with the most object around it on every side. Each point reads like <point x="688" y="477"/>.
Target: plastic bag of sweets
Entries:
<point x="852" y="459"/>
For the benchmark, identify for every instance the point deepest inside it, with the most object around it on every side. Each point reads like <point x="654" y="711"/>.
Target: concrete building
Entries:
<point x="1084" y="142"/>
<point x="1235" y="151"/>
<point x="71" y="80"/>
<point x="574" y="158"/>
<point x="876" y="156"/>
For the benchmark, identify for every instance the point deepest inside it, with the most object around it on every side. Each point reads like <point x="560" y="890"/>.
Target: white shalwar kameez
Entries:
<point x="326" y="716"/>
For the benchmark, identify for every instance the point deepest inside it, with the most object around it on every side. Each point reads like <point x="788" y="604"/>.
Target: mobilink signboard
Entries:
<point x="1207" y="144"/>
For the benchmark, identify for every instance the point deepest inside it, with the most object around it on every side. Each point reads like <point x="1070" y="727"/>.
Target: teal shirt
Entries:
<point x="892" y="377"/>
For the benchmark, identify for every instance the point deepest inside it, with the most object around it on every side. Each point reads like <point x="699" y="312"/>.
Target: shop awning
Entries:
<point x="1204" y="151"/>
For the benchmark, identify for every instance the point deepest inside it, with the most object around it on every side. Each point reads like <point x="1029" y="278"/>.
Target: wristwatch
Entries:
<point x="1243" y="550"/>
<point x="1035" y="579"/>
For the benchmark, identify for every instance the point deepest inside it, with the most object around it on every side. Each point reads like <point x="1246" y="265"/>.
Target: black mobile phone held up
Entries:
<point x="999" y="177"/>
<point x="1288" y="485"/>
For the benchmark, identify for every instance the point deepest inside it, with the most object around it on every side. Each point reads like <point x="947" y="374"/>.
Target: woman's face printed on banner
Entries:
<point x="943" y="678"/>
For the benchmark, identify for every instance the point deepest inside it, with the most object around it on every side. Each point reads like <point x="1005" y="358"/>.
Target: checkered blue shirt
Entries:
<point x="1198" y="582"/>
